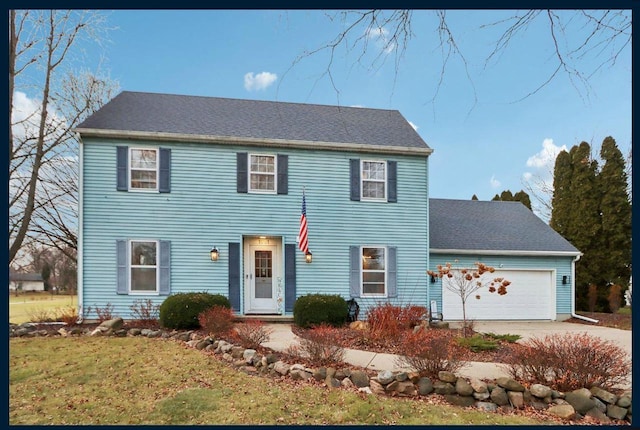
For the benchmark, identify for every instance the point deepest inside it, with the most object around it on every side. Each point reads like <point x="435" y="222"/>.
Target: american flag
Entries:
<point x="302" y="235"/>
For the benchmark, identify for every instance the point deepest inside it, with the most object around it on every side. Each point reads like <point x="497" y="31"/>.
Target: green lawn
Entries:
<point x="89" y="380"/>
<point x="26" y="305"/>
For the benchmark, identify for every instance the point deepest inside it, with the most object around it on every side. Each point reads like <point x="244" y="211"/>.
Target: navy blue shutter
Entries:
<point x="392" y="181"/>
<point x="392" y="272"/>
<point x="241" y="171"/>
<point x="283" y="174"/>
<point x="164" y="185"/>
<point x="122" y="158"/>
<point x="122" y="280"/>
<point x="165" y="268"/>
<point x="234" y="276"/>
<point x="354" y="174"/>
<point x="354" y="271"/>
<point x="289" y="276"/>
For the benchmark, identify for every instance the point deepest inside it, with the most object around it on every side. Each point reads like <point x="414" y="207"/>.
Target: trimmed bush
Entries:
<point x="316" y="309"/>
<point x="180" y="311"/>
<point x="431" y="351"/>
<point x="387" y="321"/>
<point x="319" y="345"/>
<point x="217" y="320"/>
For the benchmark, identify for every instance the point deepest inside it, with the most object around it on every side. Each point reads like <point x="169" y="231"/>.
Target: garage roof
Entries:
<point x="492" y="227"/>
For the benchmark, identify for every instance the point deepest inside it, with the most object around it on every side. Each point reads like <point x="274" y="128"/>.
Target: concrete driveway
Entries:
<point x="539" y="329"/>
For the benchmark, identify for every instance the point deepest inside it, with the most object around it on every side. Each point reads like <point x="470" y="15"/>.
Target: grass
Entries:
<point x="25" y="306"/>
<point x="111" y="381"/>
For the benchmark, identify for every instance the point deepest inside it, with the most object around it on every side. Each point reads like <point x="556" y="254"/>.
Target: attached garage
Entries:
<point x="531" y="296"/>
<point x="539" y="263"/>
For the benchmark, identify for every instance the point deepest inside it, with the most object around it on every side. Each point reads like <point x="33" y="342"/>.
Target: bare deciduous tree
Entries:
<point x="47" y="99"/>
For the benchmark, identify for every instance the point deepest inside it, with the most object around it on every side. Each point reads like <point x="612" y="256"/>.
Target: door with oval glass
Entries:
<point x="261" y="276"/>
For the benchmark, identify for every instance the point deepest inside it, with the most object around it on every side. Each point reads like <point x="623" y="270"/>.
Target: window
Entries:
<point x="143" y="172"/>
<point x="374" y="180"/>
<point x="262" y="173"/>
<point x="144" y="269"/>
<point x="374" y="271"/>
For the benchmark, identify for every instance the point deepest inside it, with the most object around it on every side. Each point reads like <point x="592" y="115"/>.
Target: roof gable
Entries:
<point x="151" y="113"/>
<point x="470" y="225"/>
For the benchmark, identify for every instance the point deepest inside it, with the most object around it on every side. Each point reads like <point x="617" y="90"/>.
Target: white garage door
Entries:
<point x="531" y="296"/>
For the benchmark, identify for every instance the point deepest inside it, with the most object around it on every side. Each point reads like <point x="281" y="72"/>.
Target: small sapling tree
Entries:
<point x="466" y="281"/>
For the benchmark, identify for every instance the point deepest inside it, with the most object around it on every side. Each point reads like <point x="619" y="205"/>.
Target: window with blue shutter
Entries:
<point x="373" y="180"/>
<point x="143" y="266"/>
<point x="262" y="173"/>
<point x="373" y="271"/>
<point x="143" y="169"/>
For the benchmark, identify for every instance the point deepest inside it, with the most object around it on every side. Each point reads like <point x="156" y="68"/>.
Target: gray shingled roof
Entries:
<point x="491" y="226"/>
<point x="253" y="119"/>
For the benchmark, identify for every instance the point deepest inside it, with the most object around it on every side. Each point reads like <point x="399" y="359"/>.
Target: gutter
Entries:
<point x="80" y="243"/>
<point x="573" y="293"/>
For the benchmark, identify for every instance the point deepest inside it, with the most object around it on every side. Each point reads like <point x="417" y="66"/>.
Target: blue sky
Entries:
<point x="483" y="140"/>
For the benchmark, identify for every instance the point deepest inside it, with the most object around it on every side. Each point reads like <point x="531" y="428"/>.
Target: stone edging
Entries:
<point x="502" y="394"/>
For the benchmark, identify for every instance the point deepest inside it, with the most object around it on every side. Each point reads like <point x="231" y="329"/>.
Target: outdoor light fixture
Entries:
<point x="433" y="279"/>
<point x="308" y="257"/>
<point x="214" y="253"/>
<point x="565" y="280"/>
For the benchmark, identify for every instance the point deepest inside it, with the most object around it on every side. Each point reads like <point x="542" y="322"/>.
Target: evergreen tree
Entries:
<point x="523" y="198"/>
<point x="496" y="198"/>
<point x="474" y="197"/>
<point x="506" y="196"/>
<point x="561" y="200"/>
<point x="616" y="215"/>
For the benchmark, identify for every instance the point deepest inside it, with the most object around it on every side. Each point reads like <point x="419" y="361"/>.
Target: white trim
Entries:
<point x="505" y="252"/>
<point x="275" y="174"/>
<point x="573" y="293"/>
<point x="130" y="267"/>
<point x="386" y="272"/>
<point x="235" y="140"/>
<point x="130" y="168"/>
<point x="80" y="254"/>
<point x="362" y="179"/>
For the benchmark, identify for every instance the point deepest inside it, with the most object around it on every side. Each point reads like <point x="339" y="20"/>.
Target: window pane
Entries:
<point x="373" y="190"/>
<point x="262" y="182"/>
<point x="143" y="179"/>
<point x="143" y="279"/>
<point x="373" y="289"/>
<point x="143" y="254"/>
<point x="373" y="258"/>
<point x="143" y="158"/>
<point x="373" y="277"/>
<point x="262" y="163"/>
<point x="373" y="170"/>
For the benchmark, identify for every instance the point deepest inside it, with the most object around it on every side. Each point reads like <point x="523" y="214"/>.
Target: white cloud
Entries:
<point x="527" y="176"/>
<point x="494" y="182"/>
<point x="547" y="156"/>
<point x="415" y="127"/>
<point x="260" y="81"/>
<point x="380" y="35"/>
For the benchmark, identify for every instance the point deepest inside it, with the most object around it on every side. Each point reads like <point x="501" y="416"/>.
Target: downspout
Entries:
<point x="80" y="242"/>
<point x="573" y="293"/>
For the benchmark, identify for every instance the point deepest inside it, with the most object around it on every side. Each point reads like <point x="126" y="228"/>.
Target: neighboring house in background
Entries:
<point x="537" y="260"/>
<point x="165" y="178"/>
<point x="26" y="282"/>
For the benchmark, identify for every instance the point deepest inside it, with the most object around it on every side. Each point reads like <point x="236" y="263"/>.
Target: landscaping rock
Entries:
<point x="616" y="412"/>
<point x="249" y="355"/>
<point x="600" y="405"/>
<point x="360" y="378"/>
<point x="562" y="411"/>
<point x="347" y="383"/>
<point x="478" y="385"/>
<point x="604" y="395"/>
<point x="624" y="401"/>
<point x="463" y="401"/>
<point x="447" y="377"/>
<point x="365" y="390"/>
<point x="135" y="332"/>
<point x="405" y="388"/>
<point x="183" y="336"/>
<point x="299" y="374"/>
<point x="425" y="386"/>
<point x="481" y="396"/>
<point x="202" y="344"/>
<point x="331" y="372"/>
<point x="510" y="384"/>
<point x="598" y="414"/>
<point x="113" y="324"/>
<point x="579" y="401"/>
<point x="441" y="387"/>
<point x="332" y="382"/>
<point x="499" y="396"/>
<point x="339" y="375"/>
<point x="463" y="387"/>
<point x="281" y="367"/>
<point x="385" y="376"/>
<point x="516" y="399"/>
<point x="540" y="391"/>
<point x="402" y="376"/>
<point x="486" y="406"/>
<point x="320" y="374"/>
<point x="376" y="387"/>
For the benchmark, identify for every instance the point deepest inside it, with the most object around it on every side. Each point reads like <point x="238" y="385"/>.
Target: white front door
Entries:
<point x="262" y="263"/>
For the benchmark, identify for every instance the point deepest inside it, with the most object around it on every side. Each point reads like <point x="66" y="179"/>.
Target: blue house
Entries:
<point x="184" y="193"/>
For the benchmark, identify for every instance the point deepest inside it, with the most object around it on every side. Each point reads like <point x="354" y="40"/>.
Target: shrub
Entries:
<point x="319" y="346"/>
<point x="40" y="316"/>
<point x="431" y="351"/>
<point x="570" y="361"/>
<point x="387" y="321"/>
<point x="145" y="312"/>
<point x="216" y="320"/>
<point x="69" y="316"/>
<point x="316" y="309"/>
<point x="511" y="338"/>
<point x="104" y="314"/>
<point x="181" y="310"/>
<point x="252" y="333"/>
<point x="477" y="343"/>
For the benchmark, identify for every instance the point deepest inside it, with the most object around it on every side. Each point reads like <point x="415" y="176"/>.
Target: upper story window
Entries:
<point x="143" y="172"/>
<point x="262" y="173"/>
<point x="374" y="180"/>
<point x="374" y="271"/>
<point x="144" y="268"/>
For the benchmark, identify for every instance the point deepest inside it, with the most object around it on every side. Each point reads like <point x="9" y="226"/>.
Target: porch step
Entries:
<point x="285" y="319"/>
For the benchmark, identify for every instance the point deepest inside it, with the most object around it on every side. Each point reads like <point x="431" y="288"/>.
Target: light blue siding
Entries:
<point x="561" y="265"/>
<point x="204" y="209"/>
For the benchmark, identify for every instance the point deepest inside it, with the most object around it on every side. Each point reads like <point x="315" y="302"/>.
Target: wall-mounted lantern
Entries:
<point x="433" y="279"/>
<point x="308" y="257"/>
<point x="565" y="280"/>
<point x="214" y="254"/>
